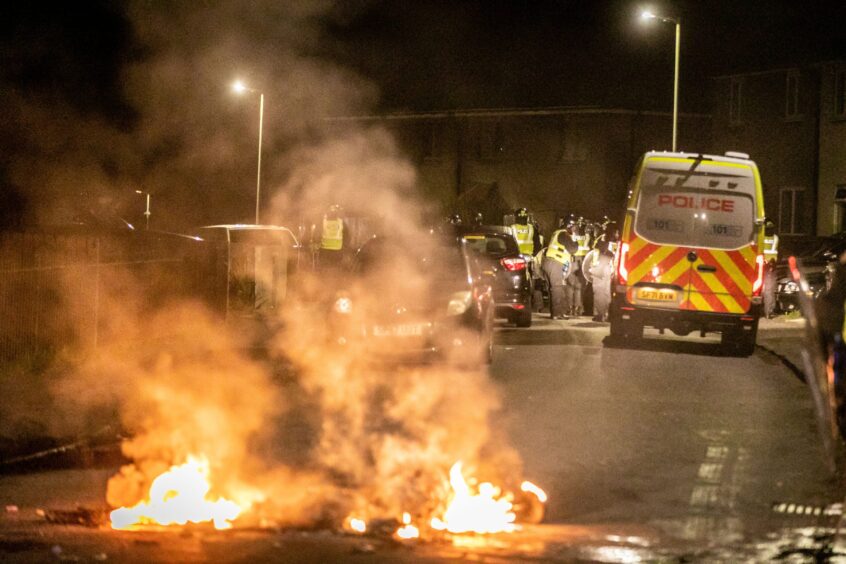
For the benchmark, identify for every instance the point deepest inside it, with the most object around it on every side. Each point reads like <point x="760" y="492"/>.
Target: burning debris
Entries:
<point x="177" y="497"/>
<point x="486" y="511"/>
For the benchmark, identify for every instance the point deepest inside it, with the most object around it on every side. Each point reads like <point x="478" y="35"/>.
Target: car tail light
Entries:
<point x="622" y="272"/>
<point x="794" y="269"/>
<point x="758" y="285"/>
<point x="513" y="264"/>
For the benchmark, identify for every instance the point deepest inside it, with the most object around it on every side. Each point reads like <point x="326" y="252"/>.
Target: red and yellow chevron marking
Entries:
<point x="726" y="290"/>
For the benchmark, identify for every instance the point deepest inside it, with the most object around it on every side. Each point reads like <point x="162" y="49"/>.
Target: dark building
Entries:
<point x="554" y="161"/>
<point x="792" y="121"/>
<point x="831" y="184"/>
<point x="561" y="160"/>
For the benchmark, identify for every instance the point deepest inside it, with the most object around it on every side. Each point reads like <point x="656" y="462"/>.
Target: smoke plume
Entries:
<point x="294" y="425"/>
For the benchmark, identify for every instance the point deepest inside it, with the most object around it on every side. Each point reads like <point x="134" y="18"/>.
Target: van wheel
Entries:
<point x="738" y="342"/>
<point x="523" y="318"/>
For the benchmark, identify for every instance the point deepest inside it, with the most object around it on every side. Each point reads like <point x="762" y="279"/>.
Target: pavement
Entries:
<point x="661" y="450"/>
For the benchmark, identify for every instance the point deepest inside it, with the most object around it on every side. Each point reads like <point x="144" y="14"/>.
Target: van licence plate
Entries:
<point x="656" y="295"/>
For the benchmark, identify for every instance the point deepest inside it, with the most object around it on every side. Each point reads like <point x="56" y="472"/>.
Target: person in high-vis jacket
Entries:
<point x="528" y="238"/>
<point x="556" y="264"/>
<point x="334" y="239"/>
<point x="770" y="259"/>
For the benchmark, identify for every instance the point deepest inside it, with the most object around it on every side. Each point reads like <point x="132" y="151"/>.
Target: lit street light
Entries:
<point x="147" y="211"/>
<point x="239" y="88"/>
<point x="646" y="15"/>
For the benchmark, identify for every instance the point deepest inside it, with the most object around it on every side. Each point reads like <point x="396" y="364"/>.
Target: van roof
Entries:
<point x="706" y="157"/>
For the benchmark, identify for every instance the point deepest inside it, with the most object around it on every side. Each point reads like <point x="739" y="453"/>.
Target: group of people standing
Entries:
<point x="579" y="255"/>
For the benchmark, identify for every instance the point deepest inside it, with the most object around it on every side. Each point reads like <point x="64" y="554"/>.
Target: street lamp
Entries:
<point x="147" y="211"/>
<point x="647" y="15"/>
<point x="239" y="88"/>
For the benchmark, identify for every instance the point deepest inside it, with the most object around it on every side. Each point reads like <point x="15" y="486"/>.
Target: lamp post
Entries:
<point x="239" y="88"/>
<point x="646" y="15"/>
<point x="147" y="213"/>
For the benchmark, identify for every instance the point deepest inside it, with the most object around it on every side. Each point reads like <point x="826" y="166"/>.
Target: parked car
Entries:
<point x="430" y="301"/>
<point x="816" y="267"/>
<point x="512" y="286"/>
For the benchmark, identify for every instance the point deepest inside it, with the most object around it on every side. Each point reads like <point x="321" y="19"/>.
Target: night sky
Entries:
<point x="76" y="62"/>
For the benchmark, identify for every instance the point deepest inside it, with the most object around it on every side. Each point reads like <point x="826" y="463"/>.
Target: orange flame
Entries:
<point x="177" y="497"/>
<point x="487" y="511"/>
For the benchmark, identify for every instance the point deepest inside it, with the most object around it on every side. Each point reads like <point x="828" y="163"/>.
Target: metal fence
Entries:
<point x="53" y="286"/>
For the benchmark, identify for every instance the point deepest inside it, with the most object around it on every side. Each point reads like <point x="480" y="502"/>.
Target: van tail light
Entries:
<point x="758" y="285"/>
<point x="622" y="272"/>
<point x="513" y="264"/>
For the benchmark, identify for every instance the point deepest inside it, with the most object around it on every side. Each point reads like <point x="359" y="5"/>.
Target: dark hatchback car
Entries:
<point x="430" y="305"/>
<point x="512" y="287"/>
<point x="817" y="268"/>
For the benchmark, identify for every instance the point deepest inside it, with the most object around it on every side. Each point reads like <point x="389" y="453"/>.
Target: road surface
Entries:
<point x="666" y="451"/>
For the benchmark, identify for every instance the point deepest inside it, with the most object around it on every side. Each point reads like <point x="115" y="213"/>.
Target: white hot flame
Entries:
<point x="407" y="531"/>
<point x="177" y="497"/>
<point x="487" y="511"/>
<point x="357" y="525"/>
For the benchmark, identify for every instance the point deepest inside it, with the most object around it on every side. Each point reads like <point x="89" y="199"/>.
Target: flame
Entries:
<point x="407" y="531"/>
<point x="534" y="490"/>
<point x="357" y="525"/>
<point x="487" y="511"/>
<point x="177" y="497"/>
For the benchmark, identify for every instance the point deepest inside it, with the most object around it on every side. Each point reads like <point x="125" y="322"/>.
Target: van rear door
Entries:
<point x="695" y="231"/>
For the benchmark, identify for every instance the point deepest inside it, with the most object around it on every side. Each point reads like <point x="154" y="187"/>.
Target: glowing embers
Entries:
<point x="486" y="510"/>
<point x="177" y="497"/>
<point x="357" y="525"/>
<point x="407" y="531"/>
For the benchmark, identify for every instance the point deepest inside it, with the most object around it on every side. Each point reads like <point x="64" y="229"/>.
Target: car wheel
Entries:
<point x="625" y="330"/>
<point x="523" y="318"/>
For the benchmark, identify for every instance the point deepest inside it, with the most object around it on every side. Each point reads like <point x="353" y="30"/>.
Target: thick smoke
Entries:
<point x="294" y="425"/>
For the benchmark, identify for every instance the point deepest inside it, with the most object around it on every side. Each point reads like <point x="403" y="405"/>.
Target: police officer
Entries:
<point x="600" y="271"/>
<point x="575" y="281"/>
<point x="528" y="238"/>
<point x="334" y="239"/>
<point x="556" y="265"/>
<point x="770" y="259"/>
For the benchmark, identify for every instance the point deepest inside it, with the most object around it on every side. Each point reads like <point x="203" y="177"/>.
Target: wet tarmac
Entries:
<point x="667" y="452"/>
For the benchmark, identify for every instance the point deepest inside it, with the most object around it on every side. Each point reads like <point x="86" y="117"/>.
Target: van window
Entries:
<point x="696" y="203"/>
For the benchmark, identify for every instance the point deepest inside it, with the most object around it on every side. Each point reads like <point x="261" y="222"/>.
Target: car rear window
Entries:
<point x="491" y="244"/>
<point x="696" y="203"/>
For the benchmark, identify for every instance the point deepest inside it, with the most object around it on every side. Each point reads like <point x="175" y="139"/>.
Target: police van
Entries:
<point x="691" y="251"/>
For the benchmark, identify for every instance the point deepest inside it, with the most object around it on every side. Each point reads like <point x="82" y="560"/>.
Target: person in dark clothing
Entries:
<point x="830" y="305"/>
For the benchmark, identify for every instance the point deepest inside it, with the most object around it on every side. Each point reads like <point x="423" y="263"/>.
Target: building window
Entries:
<point x="791" y="211"/>
<point x="735" y="100"/>
<point x="840" y="93"/>
<point x="492" y="141"/>
<point x="791" y="109"/>
<point x="572" y="146"/>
